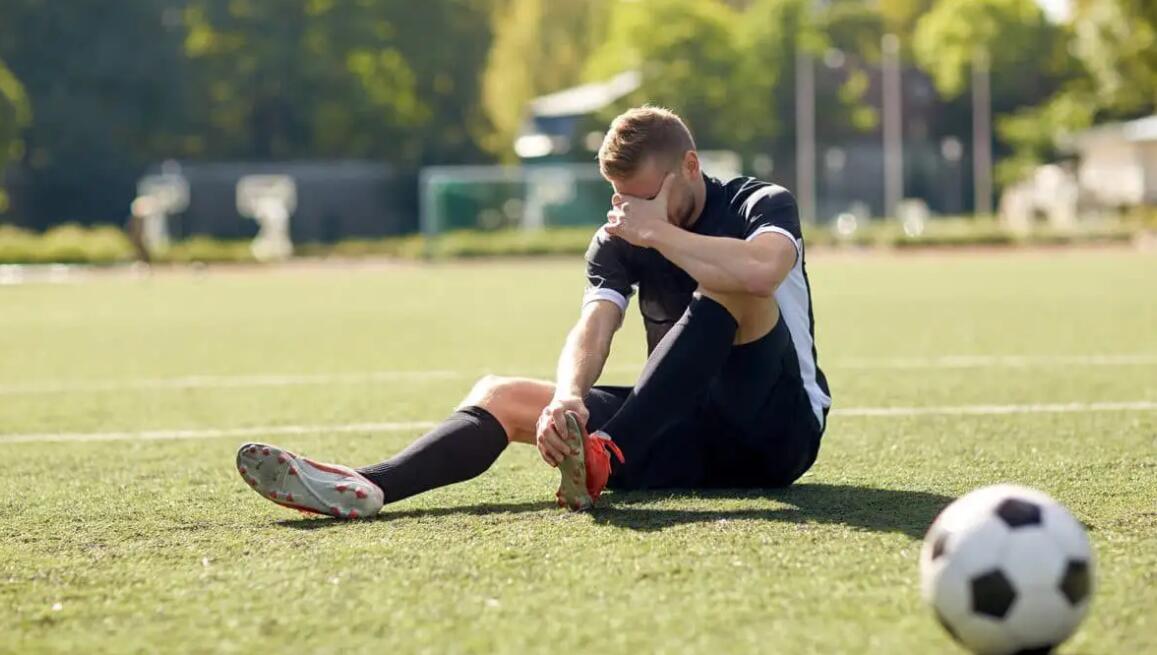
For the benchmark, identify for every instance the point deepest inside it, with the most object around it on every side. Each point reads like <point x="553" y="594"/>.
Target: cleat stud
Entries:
<point x="361" y="493"/>
<point x="281" y="459"/>
<point x="273" y="494"/>
<point x="242" y="470"/>
<point x="353" y="514"/>
<point x="292" y="471"/>
<point x="335" y="511"/>
<point x="265" y="451"/>
<point x="340" y="488"/>
<point x="289" y="497"/>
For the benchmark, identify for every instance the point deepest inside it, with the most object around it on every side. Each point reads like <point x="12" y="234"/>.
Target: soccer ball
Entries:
<point x="1007" y="570"/>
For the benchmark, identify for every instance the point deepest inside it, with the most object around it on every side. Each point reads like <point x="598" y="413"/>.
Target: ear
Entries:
<point x="691" y="164"/>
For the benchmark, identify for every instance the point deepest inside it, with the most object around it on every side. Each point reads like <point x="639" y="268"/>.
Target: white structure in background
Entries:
<point x="1050" y="192"/>
<point x="552" y="119"/>
<point x="913" y="214"/>
<point x="159" y="197"/>
<point x="1116" y="167"/>
<point x="270" y="200"/>
<point x="1118" y="163"/>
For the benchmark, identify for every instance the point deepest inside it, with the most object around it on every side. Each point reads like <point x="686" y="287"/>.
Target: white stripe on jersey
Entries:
<point x="794" y="306"/>
<point x="606" y="294"/>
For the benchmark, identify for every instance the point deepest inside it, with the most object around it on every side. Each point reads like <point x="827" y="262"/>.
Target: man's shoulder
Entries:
<point x="745" y="193"/>
<point x="603" y="245"/>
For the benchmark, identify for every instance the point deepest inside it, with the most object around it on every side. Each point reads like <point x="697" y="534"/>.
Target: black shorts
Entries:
<point x="754" y="428"/>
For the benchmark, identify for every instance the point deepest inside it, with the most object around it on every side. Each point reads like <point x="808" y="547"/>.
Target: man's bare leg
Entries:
<point x="515" y="402"/>
<point x="497" y="411"/>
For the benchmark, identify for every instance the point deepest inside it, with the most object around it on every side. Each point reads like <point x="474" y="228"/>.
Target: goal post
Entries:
<point x="490" y="198"/>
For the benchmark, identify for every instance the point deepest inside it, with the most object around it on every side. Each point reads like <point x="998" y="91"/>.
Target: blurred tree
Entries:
<point x="1026" y="52"/>
<point x="1117" y="43"/>
<point x="1032" y="132"/>
<point x="540" y="46"/>
<point x="900" y="16"/>
<point x="14" y="117"/>
<point x="104" y="83"/>
<point x="697" y="58"/>
<point x="852" y="33"/>
<point x="339" y="79"/>
<point x="1028" y="60"/>
<point x="1111" y="73"/>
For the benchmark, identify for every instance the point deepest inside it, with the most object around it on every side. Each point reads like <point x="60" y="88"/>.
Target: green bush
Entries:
<point x="558" y="241"/>
<point x="73" y="244"/>
<point x="65" y="244"/>
<point x="207" y="250"/>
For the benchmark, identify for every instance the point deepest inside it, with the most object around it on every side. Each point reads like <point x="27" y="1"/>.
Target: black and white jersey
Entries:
<point x="740" y="209"/>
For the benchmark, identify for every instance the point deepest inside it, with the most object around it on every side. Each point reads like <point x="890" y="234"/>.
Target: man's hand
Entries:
<point x="636" y="220"/>
<point x="552" y="425"/>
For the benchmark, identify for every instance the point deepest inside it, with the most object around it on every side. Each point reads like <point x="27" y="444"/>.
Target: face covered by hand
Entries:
<point x="635" y="219"/>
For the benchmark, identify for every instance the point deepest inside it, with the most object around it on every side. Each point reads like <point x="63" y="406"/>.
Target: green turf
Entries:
<point x="150" y="546"/>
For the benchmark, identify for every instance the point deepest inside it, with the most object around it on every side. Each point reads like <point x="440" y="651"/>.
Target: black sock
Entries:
<point x="677" y="373"/>
<point x="461" y="447"/>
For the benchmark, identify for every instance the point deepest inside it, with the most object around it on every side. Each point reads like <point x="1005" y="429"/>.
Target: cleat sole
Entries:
<point x="307" y="486"/>
<point x="572" y="491"/>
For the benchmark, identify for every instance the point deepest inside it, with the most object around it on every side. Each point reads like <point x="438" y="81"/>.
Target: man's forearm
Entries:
<point x="717" y="263"/>
<point x="582" y="359"/>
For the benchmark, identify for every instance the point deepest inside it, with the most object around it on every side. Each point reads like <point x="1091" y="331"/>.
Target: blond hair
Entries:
<point x="639" y="134"/>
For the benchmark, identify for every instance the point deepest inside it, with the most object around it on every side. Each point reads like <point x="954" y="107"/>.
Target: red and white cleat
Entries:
<point x="303" y="484"/>
<point x="584" y="476"/>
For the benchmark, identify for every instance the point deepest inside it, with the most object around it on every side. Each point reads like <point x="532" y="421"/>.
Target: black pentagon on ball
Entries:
<point x="992" y="594"/>
<point x="1017" y="513"/>
<point x="1075" y="583"/>
<point x="939" y="545"/>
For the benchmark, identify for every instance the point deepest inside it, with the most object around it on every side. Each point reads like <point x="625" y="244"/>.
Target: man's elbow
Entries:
<point x="761" y="282"/>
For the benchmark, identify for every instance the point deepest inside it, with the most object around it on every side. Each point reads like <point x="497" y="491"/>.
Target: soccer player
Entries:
<point x="731" y="394"/>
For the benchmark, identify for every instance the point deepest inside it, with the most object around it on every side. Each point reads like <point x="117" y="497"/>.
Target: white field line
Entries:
<point x="283" y="430"/>
<point x="368" y="377"/>
<point x="213" y="433"/>
<point x="994" y="410"/>
<point x="996" y="361"/>
<point x="224" y="382"/>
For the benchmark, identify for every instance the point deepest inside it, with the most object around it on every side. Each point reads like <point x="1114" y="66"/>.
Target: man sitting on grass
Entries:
<point x="731" y="394"/>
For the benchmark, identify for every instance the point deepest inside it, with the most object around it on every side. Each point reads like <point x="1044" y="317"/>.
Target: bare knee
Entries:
<point x="754" y="315"/>
<point x="736" y="304"/>
<point x="484" y="391"/>
<point x="515" y="402"/>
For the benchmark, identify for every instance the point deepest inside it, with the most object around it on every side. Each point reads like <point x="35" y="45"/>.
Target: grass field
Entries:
<point x="124" y="527"/>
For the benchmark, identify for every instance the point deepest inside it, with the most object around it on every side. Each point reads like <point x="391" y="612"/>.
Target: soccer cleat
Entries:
<point x="305" y="485"/>
<point x="585" y="475"/>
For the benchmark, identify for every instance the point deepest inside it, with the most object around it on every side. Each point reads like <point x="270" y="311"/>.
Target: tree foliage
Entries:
<point x="92" y="93"/>
<point x="14" y="117"/>
<point x="1117" y="43"/>
<point x="729" y="67"/>
<point x="104" y="83"/>
<point x="325" y="78"/>
<point x="540" y="46"/>
<point x="1018" y="41"/>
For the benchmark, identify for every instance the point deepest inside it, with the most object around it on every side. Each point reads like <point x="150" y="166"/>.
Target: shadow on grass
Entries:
<point x="483" y="509"/>
<point x="866" y="508"/>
